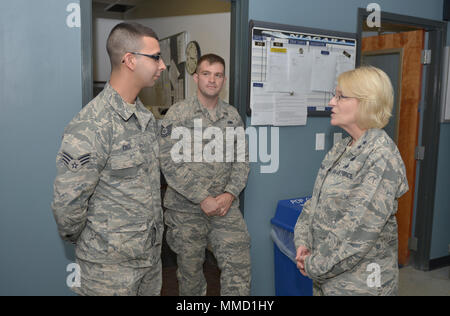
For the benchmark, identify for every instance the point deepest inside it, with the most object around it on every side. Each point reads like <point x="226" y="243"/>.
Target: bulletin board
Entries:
<point x="294" y="70"/>
<point x="171" y="86"/>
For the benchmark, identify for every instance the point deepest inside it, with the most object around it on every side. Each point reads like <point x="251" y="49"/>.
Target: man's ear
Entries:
<point x="129" y="61"/>
<point x="195" y="77"/>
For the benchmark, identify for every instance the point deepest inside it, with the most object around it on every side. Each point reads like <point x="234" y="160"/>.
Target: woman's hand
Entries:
<point x="302" y="253"/>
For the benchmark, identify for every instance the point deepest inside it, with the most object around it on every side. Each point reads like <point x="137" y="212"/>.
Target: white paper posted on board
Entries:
<point x="290" y="110"/>
<point x="262" y="107"/>
<point x="323" y="71"/>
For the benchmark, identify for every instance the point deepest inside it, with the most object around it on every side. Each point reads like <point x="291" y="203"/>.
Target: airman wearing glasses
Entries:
<point x="202" y="198"/>
<point x="107" y="191"/>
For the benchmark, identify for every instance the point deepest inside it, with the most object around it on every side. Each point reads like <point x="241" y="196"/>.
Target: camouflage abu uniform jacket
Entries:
<point x="349" y="225"/>
<point x="107" y="188"/>
<point x="189" y="183"/>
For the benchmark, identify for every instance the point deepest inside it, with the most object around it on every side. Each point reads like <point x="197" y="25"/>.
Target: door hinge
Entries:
<point x="426" y="57"/>
<point x="420" y="153"/>
<point x="413" y="243"/>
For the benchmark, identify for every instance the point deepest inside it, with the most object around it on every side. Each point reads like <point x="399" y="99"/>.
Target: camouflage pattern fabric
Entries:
<point x="189" y="230"/>
<point x="192" y="182"/>
<point x="349" y="224"/>
<point x="107" y="188"/>
<point x="116" y="280"/>
<point x="188" y="234"/>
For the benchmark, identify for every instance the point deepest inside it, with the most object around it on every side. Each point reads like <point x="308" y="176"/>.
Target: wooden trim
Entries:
<point x="412" y="44"/>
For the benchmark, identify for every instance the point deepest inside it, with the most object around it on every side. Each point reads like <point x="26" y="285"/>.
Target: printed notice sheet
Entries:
<point x="291" y="72"/>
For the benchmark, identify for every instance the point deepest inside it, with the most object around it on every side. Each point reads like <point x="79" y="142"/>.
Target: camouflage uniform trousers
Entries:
<point x="188" y="235"/>
<point x="118" y="280"/>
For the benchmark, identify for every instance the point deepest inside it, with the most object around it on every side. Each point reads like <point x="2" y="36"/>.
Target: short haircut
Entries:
<point x="211" y="59"/>
<point x="124" y="38"/>
<point x="373" y="89"/>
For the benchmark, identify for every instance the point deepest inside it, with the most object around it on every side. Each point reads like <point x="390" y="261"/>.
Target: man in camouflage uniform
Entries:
<point x="107" y="188"/>
<point x="202" y="198"/>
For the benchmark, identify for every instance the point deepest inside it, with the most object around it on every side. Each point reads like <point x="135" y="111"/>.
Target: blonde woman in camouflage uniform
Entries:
<point x="107" y="191"/>
<point x="346" y="236"/>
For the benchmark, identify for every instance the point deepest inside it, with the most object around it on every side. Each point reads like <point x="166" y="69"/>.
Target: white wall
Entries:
<point x="211" y="31"/>
<point x="101" y="30"/>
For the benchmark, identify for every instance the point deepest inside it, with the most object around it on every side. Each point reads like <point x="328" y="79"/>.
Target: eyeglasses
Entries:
<point x="339" y="96"/>
<point x="156" y="57"/>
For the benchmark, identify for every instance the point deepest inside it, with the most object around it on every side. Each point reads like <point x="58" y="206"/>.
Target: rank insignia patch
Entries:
<point x="166" y="131"/>
<point x="126" y="147"/>
<point x="75" y="164"/>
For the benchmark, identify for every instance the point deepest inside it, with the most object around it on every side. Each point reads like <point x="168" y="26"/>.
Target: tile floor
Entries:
<point x="414" y="282"/>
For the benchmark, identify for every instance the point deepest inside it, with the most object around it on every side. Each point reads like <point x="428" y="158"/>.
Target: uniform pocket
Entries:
<point x="126" y="166"/>
<point x="130" y="240"/>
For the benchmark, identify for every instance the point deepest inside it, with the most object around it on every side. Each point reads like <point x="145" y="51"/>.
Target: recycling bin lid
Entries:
<point x="288" y="212"/>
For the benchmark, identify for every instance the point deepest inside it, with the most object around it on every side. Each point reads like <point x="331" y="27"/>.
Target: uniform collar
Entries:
<point x="367" y="138"/>
<point x="220" y="109"/>
<point x="126" y="112"/>
<point x="143" y="114"/>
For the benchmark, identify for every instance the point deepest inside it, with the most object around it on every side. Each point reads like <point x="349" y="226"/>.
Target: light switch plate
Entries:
<point x="320" y="141"/>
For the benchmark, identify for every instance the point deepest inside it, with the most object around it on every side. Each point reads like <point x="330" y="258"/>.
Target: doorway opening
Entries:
<point x="400" y="46"/>
<point x="177" y="22"/>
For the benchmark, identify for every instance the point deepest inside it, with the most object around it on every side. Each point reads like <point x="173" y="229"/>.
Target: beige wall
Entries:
<point x="168" y="8"/>
<point x="101" y="65"/>
<point x="211" y="31"/>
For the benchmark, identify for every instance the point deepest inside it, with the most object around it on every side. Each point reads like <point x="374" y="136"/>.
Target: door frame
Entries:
<point x="239" y="56"/>
<point x="86" y="52"/>
<point x="430" y="112"/>
<point x="238" y="63"/>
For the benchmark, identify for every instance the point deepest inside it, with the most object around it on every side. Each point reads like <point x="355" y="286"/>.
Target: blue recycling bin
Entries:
<point x="288" y="279"/>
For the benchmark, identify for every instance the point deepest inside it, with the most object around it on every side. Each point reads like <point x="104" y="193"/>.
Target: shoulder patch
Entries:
<point x="166" y="131"/>
<point x="75" y="164"/>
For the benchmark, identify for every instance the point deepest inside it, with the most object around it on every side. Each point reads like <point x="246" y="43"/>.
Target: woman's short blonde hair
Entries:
<point x="373" y="89"/>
